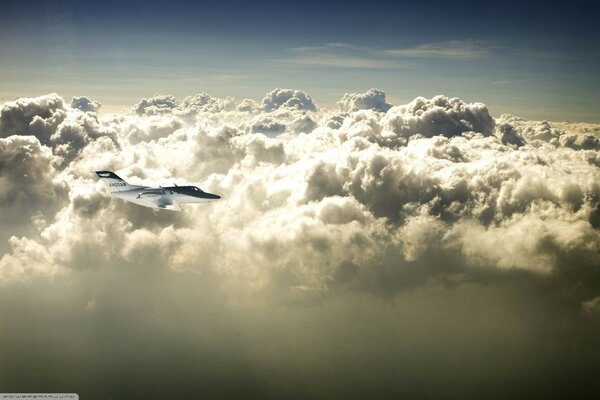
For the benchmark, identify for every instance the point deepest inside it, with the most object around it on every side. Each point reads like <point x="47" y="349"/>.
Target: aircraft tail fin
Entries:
<point x="113" y="181"/>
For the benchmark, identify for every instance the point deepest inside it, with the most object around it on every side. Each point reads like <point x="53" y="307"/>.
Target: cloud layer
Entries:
<point x="317" y="205"/>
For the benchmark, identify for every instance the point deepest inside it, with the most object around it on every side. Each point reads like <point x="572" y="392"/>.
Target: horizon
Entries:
<point x="104" y="109"/>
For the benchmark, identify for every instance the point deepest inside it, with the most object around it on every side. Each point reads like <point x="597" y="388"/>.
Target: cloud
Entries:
<point x="287" y="98"/>
<point x="440" y="161"/>
<point x="191" y="105"/>
<point x="37" y="116"/>
<point x="28" y="259"/>
<point x="248" y="105"/>
<point x="373" y="99"/>
<point x="332" y="60"/>
<point x="339" y="55"/>
<point x="47" y="118"/>
<point x="592" y="306"/>
<point x="453" y="49"/>
<point x="438" y="116"/>
<point x="27" y="169"/>
<point x="430" y="221"/>
<point x="158" y="104"/>
<point x="205" y="102"/>
<point x="85" y="104"/>
<point x="150" y="128"/>
<point x="540" y="133"/>
<point x="344" y="55"/>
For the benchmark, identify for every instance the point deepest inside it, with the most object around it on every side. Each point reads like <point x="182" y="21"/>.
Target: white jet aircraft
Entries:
<point x="167" y="198"/>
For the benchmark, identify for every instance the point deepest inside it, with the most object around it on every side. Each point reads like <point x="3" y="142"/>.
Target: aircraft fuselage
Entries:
<point x="169" y="197"/>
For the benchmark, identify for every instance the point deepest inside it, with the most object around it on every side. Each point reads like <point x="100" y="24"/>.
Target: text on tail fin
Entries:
<point x="113" y="181"/>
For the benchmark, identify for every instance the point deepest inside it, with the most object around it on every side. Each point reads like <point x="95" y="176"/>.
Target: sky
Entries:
<point x="532" y="60"/>
<point x="410" y="200"/>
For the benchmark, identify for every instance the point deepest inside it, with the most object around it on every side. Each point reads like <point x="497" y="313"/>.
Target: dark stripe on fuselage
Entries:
<point x="192" y="191"/>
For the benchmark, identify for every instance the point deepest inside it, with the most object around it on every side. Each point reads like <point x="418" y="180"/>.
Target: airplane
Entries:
<point x="166" y="198"/>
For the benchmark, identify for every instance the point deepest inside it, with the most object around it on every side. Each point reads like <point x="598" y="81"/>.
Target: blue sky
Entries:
<point x="535" y="60"/>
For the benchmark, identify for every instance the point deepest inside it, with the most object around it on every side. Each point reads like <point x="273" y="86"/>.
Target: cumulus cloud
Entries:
<point x="439" y="116"/>
<point x="205" y="102"/>
<point x="288" y="98"/>
<point x="539" y="133"/>
<point x="427" y="201"/>
<point x="65" y="130"/>
<point x="373" y="99"/>
<point x="248" y="105"/>
<point x="440" y="161"/>
<point x="158" y="104"/>
<point x="37" y="116"/>
<point x="84" y="104"/>
<point x="31" y="191"/>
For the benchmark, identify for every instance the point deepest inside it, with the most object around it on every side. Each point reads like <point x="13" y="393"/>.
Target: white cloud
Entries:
<point x="158" y="104"/>
<point x="373" y="99"/>
<point x="287" y="98"/>
<point x="343" y="55"/>
<point x="339" y="55"/>
<point x="205" y="102"/>
<point x="430" y="222"/>
<point x="338" y="61"/>
<point x="438" y="116"/>
<point x="313" y="199"/>
<point x="37" y="116"/>
<point x="84" y="104"/>
<point x="577" y="136"/>
<point x="453" y="49"/>
<point x="28" y="259"/>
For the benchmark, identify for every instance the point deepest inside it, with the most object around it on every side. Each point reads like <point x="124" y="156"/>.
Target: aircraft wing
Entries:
<point x="164" y="203"/>
<point x="168" y="204"/>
